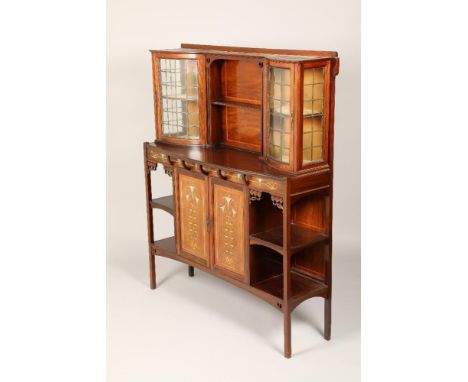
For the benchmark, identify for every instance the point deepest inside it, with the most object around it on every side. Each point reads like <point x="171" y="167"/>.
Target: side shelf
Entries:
<point x="301" y="238"/>
<point x="165" y="203"/>
<point x="166" y="245"/>
<point x="302" y="287"/>
<point x="269" y="289"/>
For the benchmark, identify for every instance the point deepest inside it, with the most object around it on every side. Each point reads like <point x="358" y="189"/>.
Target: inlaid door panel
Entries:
<point x="193" y="216"/>
<point x="229" y="226"/>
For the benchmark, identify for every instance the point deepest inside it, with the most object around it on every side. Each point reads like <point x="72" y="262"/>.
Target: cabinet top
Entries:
<point x="270" y="54"/>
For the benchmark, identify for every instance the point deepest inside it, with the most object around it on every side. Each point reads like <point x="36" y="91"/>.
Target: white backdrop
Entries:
<point x="136" y="26"/>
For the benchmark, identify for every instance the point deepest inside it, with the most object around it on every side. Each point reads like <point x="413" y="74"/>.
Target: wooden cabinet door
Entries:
<point x="229" y="223"/>
<point x="193" y="216"/>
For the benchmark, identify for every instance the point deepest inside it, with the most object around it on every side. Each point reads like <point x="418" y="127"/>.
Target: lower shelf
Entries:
<point x="301" y="286"/>
<point x="270" y="289"/>
<point x="166" y="245"/>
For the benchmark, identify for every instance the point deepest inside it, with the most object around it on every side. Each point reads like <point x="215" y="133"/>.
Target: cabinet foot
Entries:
<point x="287" y="334"/>
<point x="152" y="269"/>
<point x="191" y="271"/>
<point x="327" y="319"/>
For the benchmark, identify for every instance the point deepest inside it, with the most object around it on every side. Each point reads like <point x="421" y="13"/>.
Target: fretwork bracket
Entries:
<point x="168" y="170"/>
<point x="151" y="166"/>
<point x="277" y="201"/>
<point x="255" y="195"/>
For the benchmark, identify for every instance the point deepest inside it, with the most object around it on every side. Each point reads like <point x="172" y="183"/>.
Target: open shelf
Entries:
<point x="301" y="286"/>
<point x="301" y="238"/>
<point x="166" y="245"/>
<point x="244" y="105"/>
<point x="269" y="287"/>
<point x="165" y="203"/>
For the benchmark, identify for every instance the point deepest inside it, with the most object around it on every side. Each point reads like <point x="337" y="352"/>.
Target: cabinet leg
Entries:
<point x="152" y="269"/>
<point x="190" y="271"/>
<point x="287" y="334"/>
<point x="327" y="319"/>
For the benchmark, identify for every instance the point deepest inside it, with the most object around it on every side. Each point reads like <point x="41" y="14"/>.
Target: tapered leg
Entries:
<point x="327" y="319"/>
<point x="190" y="271"/>
<point x="152" y="269"/>
<point x="287" y="334"/>
<point x="149" y="219"/>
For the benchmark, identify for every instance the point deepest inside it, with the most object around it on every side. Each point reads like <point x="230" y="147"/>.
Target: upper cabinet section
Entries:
<point x="298" y="119"/>
<point x="276" y="103"/>
<point x="235" y="102"/>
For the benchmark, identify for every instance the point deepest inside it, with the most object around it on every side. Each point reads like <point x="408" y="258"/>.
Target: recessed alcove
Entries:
<point x="235" y="118"/>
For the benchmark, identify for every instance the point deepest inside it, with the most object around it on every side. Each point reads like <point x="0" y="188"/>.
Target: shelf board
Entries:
<point x="302" y="287"/>
<point x="311" y="115"/>
<point x="242" y="105"/>
<point x="269" y="290"/>
<point x="166" y="245"/>
<point x="182" y="97"/>
<point x="167" y="248"/>
<point x="165" y="203"/>
<point x="301" y="238"/>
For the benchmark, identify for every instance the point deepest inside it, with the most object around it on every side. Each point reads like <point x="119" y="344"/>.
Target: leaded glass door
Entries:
<point x="280" y="115"/>
<point x="180" y="95"/>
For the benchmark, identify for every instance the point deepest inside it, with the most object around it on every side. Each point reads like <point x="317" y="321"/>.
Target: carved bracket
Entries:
<point x="277" y="201"/>
<point x="255" y="195"/>
<point x="168" y="170"/>
<point x="150" y="166"/>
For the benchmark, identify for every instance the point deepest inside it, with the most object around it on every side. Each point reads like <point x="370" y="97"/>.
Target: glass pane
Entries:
<point x="178" y="81"/>
<point x="312" y="125"/>
<point x="280" y="114"/>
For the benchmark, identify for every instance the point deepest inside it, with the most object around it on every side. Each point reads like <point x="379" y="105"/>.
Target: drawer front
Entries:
<point x="156" y="156"/>
<point x="266" y="185"/>
<point x="193" y="216"/>
<point x="229" y="228"/>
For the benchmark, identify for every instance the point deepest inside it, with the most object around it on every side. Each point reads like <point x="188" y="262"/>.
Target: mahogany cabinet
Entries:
<point x="246" y="135"/>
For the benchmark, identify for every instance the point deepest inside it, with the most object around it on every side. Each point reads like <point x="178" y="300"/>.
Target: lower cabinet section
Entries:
<point x="212" y="212"/>
<point x="229" y="228"/>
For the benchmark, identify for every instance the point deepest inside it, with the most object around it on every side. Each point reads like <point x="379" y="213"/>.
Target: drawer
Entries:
<point x="269" y="185"/>
<point x="155" y="156"/>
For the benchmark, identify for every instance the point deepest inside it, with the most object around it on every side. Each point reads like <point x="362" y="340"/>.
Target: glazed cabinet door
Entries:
<point x="229" y="228"/>
<point x="314" y="113"/>
<point x="179" y="85"/>
<point x="192" y="217"/>
<point x="280" y="120"/>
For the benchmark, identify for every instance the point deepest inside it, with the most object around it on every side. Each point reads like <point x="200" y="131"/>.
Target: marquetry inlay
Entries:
<point x="265" y="184"/>
<point x="193" y="227"/>
<point x="158" y="157"/>
<point x="229" y="228"/>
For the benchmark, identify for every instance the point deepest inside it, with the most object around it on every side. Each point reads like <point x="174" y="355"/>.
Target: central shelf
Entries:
<point x="301" y="286"/>
<point x="244" y="105"/>
<point x="301" y="238"/>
